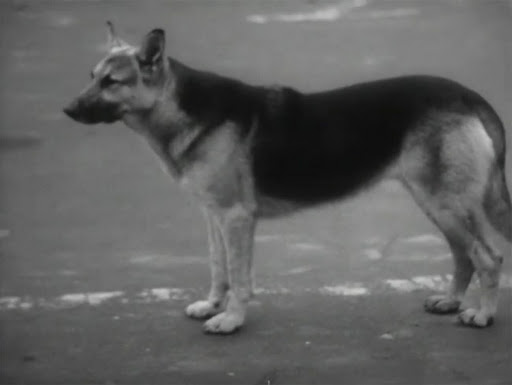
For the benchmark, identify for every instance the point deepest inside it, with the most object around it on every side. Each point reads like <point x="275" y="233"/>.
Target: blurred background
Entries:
<point x="100" y="251"/>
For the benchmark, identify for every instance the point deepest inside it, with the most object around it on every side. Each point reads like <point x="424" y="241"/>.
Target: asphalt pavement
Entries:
<point x="100" y="251"/>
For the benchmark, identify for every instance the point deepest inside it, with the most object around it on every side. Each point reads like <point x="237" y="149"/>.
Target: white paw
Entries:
<point x="224" y="323"/>
<point x="441" y="304"/>
<point x="202" y="309"/>
<point x="475" y="318"/>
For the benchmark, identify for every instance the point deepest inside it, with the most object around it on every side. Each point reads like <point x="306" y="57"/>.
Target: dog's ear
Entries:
<point x="113" y="40"/>
<point x="152" y="48"/>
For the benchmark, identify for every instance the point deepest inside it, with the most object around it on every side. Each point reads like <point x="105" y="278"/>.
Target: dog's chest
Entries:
<point x="211" y="175"/>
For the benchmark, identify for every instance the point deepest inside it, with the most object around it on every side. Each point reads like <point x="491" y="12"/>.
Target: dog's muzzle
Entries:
<point x="92" y="114"/>
<point x="72" y="110"/>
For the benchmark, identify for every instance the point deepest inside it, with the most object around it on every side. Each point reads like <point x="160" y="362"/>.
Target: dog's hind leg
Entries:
<point x="216" y="301"/>
<point x="464" y="229"/>
<point x="453" y="226"/>
<point x="448" y="181"/>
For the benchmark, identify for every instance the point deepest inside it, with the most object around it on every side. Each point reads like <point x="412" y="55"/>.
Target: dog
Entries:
<point x="248" y="152"/>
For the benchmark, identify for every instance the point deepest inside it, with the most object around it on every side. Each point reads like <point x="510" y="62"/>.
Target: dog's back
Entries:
<point x="315" y="147"/>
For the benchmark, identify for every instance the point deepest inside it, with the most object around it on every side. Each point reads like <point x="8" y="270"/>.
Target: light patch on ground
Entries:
<point x="4" y="233"/>
<point x="279" y="238"/>
<point x="351" y="289"/>
<point x="403" y="285"/>
<point x="421" y="257"/>
<point x="403" y="333"/>
<point x="153" y="295"/>
<point x="435" y="282"/>
<point x="15" y="303"/>
<point x="163" y="294"/>
<point x="269" y="238"/>
<point x="431" y="282"/>
<point x="350" y="9"/>
<point x="164" y="260"/>
<point x="372" y="254"/>
<point x="385" y="14"/>
<point x="422" y="247"/>
<point x="331" y="13"/>
<point x="424" y="239"/>
<point x="60" y="20"/>
<point x="262" y="290"/>
<point x="89" y="298"/>
<point x="307" y="246"/>
<point x="298" y="270"/>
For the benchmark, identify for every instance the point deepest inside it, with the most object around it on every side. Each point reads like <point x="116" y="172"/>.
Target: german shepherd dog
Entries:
<point x="247" y="152"/>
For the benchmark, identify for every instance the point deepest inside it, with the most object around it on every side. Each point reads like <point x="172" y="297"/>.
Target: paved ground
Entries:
<point x="100" y="252"/>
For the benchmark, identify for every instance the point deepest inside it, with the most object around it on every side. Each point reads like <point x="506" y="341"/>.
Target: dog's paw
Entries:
<point x="202" y="309"/>
<point x="475" y="318"/>
<point x="441" y="304"/>
<point x="224" y="323"/>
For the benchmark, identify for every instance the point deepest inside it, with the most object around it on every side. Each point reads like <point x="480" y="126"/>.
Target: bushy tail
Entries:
<point x="497" y="203"/>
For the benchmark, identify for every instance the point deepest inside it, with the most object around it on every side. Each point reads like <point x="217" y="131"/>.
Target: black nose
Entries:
<point x="71" y="110"/>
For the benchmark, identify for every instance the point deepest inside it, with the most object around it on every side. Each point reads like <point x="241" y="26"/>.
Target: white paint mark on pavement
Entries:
<point x="385" y="14"/>
<point x="307" y="246"/>
<point x="420" y="257"/>
<point x="15" y="303"/>
<point x="166" y="259"/>
<point x="89" y="298"/>
<point x="424" y="239"/>
<point x="163" y="294"/>
<point x="155" y="295"/>
<point x="387" y="336"/>
<point x="261" y="290"/>
<point x="331" y="13"/>
<point x="352" y="289"/>
<point x="403" y="285"/>
<point x="279" y="238"/>
<point x="431" y="282"/>
<point x="298" y="270"/>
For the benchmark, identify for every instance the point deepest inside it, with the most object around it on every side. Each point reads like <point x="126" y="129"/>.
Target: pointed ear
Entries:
<point x="152" y="49"/>
<point x="113" y="40"/>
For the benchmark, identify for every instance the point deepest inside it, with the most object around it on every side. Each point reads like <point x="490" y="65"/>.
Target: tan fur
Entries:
<point x="456" y="206"/>
<point x="447" y="163"/>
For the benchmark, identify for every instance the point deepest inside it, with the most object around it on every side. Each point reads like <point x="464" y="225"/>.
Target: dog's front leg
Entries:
<point x="237" y="224"/>
<point x="216" y="301"/>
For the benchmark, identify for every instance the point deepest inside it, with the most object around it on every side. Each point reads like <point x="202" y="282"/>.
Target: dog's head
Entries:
<point x="127" y="80"/>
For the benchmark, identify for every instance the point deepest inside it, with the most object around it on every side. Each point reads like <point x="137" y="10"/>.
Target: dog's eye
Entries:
<point x="107" y="81"/>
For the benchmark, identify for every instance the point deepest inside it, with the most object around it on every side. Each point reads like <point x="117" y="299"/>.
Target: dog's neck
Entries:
<point x="169" y="129"/>
<point x="162" y="117"/>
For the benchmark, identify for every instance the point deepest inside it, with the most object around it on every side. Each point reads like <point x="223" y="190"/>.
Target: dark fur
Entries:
<point x="247" y="151"/>
<point x="310" y="148"/>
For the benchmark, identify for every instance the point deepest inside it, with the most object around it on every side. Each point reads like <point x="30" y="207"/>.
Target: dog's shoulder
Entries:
<point x="211" y="99"/>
